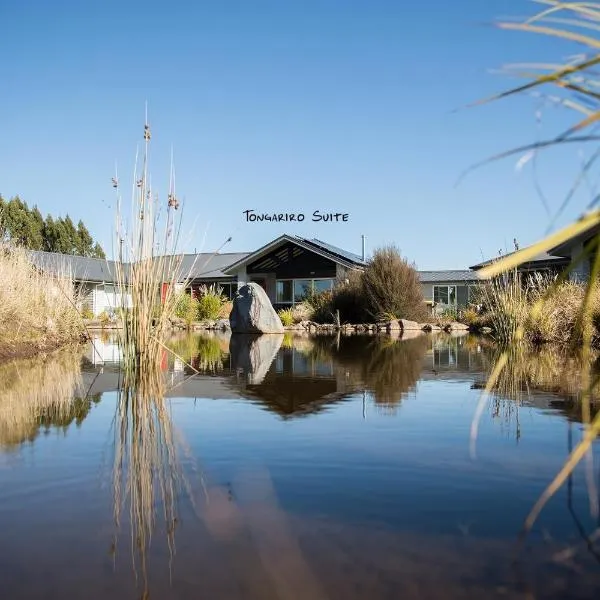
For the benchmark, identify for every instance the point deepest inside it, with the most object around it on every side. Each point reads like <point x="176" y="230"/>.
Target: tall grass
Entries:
<point x="148" y="267"/>
<point x="573" y="84"/>
<point x="38" y="307"/>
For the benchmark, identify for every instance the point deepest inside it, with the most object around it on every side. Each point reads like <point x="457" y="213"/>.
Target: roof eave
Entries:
<point x="294" y="240"/>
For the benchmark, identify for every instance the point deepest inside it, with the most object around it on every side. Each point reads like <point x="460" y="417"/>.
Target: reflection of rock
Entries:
<point x="254" y="354"/>
<point x="253" y="312"/>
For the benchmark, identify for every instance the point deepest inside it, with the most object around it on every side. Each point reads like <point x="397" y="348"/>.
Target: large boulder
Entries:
<point x="253" y="312"/>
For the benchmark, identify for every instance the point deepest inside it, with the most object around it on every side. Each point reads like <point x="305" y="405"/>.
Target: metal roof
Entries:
<point x="335" y="254"/>
<point x="80" y="268"/>
<point x="335" y="250"/>
<point x="543" y="257"/>
<point x="208" y="265"/>
<point x="447" y="276"/>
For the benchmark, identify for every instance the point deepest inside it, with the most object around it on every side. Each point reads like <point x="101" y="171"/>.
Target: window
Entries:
<point x="322" y="285"/>
<point x="444" y="294"/>
<point x="284" y="291"/>
<point x="290" y="291"/>
<point x="440" y="294"/>
<point x="302" y="289"/>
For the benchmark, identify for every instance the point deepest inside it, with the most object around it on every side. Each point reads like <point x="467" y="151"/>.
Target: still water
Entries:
<point x="287" y="467"/>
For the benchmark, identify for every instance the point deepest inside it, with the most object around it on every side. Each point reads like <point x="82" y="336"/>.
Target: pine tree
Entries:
<point x="85" y="243"/>
<point x="97" y="252"/>
<point x="27" y="228"/>
<point x="71" y="237"/>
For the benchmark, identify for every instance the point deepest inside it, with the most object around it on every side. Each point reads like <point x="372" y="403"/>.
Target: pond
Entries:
<point x="294" y="467"/>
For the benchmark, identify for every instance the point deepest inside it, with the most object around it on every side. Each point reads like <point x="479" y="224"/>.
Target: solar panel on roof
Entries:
<point x="335" y="250"/>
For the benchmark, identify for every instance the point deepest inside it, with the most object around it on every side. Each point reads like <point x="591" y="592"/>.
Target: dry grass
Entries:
<point x="573" y="85"/>
<point x="36" y="391"/>
<point x="536" y="308"/>
<point x="37" y="309"/>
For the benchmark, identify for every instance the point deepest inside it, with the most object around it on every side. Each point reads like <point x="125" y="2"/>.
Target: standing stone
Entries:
<point x="253" y="312"/>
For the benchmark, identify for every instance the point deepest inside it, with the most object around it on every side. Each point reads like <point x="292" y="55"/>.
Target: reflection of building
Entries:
<point x="104" y="349"/>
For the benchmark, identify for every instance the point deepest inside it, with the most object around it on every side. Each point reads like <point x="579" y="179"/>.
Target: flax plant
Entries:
<point x="574" y="85"/>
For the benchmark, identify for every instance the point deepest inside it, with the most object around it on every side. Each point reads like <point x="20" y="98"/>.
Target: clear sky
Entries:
<point x="287" y="105"/>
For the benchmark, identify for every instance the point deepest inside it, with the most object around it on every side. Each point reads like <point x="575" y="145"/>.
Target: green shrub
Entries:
<point x="210" y="302"/>
<point x="321" y="307"/>
<point x="392" y="285"/>
<point x="186" y="307"/>
<point x="348" y="298"/>
<point x="209" y="307"/>
<point x="287" y="316"/>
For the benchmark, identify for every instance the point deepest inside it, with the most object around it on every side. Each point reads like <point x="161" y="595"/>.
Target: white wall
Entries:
<point x="107" y="297"/>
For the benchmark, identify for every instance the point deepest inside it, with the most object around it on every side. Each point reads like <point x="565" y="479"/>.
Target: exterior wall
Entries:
<point x="463" y="291"/>
<point x="241" y="277"/>
<point x="340" y="272"/>
<point x="581" y="272"/>
<point x="427" y="289"/>
<point x="108" y="298"/>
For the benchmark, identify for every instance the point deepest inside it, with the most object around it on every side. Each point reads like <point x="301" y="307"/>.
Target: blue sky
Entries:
<point x="330" y="105"/>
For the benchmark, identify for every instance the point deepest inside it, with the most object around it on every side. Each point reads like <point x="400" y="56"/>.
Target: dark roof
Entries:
<point x="446" y="276"/>
<point x="80" y="268"/>
<point x="543" y="257"/>
<point x="334" y="250"/>
<point x="335" y="254"/>
<point x="208" y="265"/>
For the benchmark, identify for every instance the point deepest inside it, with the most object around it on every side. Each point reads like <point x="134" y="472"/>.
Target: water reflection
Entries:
<point x="374" y="512"/>
<point x="39" y="394"/>
<point x="147" y="473"/>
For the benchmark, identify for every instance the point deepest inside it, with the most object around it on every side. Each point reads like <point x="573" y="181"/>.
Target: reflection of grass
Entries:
<point x="36" y="393"/>
<point x="203" y="352"/>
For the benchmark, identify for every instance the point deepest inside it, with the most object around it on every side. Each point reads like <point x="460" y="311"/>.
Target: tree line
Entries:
<point x="27" y="227"/>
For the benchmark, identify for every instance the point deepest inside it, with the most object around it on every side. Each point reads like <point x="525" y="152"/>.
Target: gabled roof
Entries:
<point x="447" y="276"/>
<point x="337" y="255"/>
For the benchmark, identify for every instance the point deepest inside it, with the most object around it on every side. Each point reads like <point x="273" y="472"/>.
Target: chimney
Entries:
<point x="363" y="247"/>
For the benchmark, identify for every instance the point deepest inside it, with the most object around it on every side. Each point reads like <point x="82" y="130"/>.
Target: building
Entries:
<point x="95" y="278"/>
<point x="288" y="268"/>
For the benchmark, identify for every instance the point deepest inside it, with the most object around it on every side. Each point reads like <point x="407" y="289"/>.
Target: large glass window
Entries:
<point x="284" y="291"/>
<point x="302" y="289"/>
<point x="290" y="291"/>
<point x="444" y="294"/>
<point x="440" y="294"/>
<point x="322" y="285"/>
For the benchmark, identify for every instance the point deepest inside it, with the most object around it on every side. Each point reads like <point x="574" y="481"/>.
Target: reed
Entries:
<point x="148" y="268"/>
<point x="573" y="85"/>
